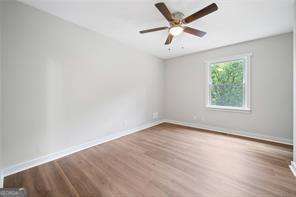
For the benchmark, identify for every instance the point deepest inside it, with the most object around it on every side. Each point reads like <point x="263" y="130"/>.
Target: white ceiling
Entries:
<point x="235" y="21"/>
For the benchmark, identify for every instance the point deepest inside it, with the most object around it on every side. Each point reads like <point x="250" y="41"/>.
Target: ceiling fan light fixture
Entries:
<point x="176" y="30"/>
<point x="177" y="20"/>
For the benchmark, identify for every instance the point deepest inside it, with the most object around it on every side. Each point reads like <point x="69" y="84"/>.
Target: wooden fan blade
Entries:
<point x="169" y="39"/>
<point x="194" y="32"/>
<point x="205" y="11"/>
<point x="153" y="29"/>
<point x="164" y="11"/>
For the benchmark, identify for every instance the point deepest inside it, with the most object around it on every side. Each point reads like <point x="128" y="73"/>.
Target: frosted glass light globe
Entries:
<point x="176" y="30"/>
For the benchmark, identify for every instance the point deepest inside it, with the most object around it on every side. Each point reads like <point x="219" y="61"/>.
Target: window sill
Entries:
<point x="230" y="109"/>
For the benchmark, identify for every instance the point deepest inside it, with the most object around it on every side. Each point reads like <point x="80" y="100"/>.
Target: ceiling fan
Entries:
<point x="177" y="21"/>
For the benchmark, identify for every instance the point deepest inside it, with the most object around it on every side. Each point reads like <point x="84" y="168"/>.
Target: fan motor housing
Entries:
<point x="178" y="15"/>
<point x="177" y="18"/>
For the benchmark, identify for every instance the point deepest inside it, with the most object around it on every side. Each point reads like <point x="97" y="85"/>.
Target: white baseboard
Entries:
<point x="293" y="167"/>
<point x="232" y="131"/>
<point x="53" y="156"/>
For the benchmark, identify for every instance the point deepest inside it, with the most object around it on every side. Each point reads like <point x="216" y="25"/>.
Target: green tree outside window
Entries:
<point x="227" y="83"/>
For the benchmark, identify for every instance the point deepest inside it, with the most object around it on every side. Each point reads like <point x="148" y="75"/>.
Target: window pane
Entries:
<point x="227" y="87"/>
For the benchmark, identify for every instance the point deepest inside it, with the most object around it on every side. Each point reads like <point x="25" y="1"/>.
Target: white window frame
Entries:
<point x="246" y="81"/>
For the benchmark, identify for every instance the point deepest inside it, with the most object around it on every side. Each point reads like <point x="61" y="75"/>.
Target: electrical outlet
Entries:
<point x="155" y="115"/>
<point x="194" y="117"/>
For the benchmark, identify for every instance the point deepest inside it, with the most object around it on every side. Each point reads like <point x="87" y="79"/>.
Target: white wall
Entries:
<point x="1" y="149"/>
<point x="294" y="87"/>
<point x="64" y="85"/>
<point x="271" y="89"/>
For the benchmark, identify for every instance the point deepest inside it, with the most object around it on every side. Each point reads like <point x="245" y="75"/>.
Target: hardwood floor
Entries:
<point x="166" y="160"/>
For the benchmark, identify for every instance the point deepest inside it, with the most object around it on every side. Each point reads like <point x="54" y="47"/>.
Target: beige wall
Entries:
<point x="64" y="85"/>
<point x="271" y="89"/>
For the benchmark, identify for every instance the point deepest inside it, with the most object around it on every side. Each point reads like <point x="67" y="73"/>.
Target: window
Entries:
<point x="228" y="83"/>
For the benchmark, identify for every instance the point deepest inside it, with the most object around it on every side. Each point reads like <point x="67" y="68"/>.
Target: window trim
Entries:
<point x="247" y="79"/>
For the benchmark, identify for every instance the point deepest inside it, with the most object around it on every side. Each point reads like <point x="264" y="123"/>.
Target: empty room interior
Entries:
<point x="128" y="98"/>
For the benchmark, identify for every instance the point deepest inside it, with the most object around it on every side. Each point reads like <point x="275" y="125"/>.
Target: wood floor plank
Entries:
<point x="74" y="169"/>
<point x="166" y="160"/>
